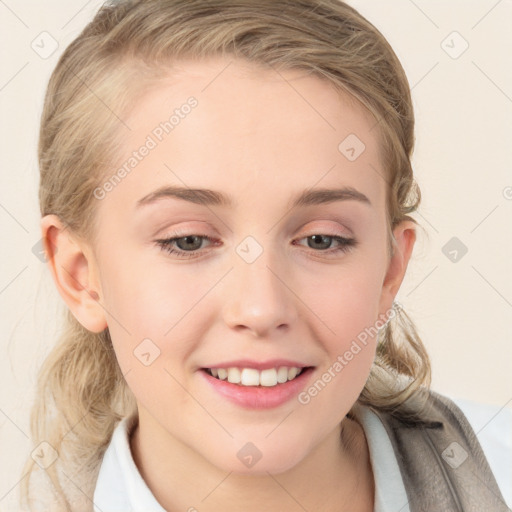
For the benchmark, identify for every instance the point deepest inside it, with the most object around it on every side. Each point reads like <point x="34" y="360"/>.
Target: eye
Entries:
<point x="189" y="246"/>
<point x="320" y="241"/>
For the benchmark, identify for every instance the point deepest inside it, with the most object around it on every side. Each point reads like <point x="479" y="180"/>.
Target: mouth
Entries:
<point x="255" y="389"/>
<point x="251" y="377"/>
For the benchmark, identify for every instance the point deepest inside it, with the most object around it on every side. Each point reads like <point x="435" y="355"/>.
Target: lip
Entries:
<point x="261" y="365"/>
<point x="259" y="397"/>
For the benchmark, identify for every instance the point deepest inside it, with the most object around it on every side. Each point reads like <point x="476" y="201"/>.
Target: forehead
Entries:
<point x="252" y="130"/>
<point x="243" y="89"/>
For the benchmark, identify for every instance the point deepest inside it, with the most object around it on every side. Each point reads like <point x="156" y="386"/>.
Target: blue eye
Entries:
<point x="191" y="244"/>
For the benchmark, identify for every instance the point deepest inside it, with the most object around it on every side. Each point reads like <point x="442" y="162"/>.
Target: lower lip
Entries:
<point x="259" y="397"/>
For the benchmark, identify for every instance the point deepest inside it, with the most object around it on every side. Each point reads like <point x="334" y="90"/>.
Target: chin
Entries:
<point x="258" y="460"/>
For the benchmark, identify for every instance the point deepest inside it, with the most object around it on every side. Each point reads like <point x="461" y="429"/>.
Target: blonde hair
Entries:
<point x="130" y="45"/>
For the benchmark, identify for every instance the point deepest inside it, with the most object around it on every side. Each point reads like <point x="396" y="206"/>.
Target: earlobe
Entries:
<point x="405" y="237"/>
<point x="74" y="273"/>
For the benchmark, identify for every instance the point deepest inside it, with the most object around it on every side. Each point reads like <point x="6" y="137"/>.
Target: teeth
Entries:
<point x="292" y="373"/>
<point x="252" y="377"/>
<point x="268" y="377"/>
<point x="282" y="374"/>
<point x="234" y="375"/>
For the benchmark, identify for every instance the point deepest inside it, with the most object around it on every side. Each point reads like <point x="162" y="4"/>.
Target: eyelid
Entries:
<point x="339" y="227"/>
<point x="345" y="244"/>
<point x="185" y="232"/>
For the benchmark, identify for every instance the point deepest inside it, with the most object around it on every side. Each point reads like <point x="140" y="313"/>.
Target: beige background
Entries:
<point x="462" y="160"/>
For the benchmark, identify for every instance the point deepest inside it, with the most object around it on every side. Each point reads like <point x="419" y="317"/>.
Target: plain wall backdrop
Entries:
<point x="458" y="288"/>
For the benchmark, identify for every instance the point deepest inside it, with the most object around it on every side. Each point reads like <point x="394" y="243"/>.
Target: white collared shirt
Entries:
<point x="121" y="488"/>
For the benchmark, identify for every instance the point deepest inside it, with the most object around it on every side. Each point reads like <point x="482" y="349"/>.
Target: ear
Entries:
<point x="403" y="244"/>
<point x="73" y="269"/>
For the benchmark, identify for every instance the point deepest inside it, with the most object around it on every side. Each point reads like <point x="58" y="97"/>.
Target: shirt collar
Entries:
<point x="121" y="488"/>
<point x="390" y="493"/>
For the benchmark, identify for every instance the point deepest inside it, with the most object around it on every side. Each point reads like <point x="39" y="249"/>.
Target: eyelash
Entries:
<point x="346" y="244"/>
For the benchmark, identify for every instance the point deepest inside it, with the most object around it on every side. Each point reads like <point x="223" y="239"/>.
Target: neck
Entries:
<point x="336" y="475"/>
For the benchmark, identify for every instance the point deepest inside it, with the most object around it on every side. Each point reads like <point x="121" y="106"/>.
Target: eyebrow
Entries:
<point x="208" y="197"/>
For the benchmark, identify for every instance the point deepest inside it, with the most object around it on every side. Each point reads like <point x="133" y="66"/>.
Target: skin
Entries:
<point x="294" y="301"/>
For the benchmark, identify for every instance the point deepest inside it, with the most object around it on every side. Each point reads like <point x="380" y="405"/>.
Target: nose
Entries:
<point x="258" y="297"/>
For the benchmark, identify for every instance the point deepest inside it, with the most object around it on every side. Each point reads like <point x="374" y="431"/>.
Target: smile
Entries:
<point x="257" y="389"/>
<point x="252" y="377"/>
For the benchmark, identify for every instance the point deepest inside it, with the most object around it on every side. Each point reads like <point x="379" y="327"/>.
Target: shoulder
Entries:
<point x="65" y="483"/>
<point x="44" y="495"/>
<point x="430" y="420"/>
<point x="437" y="448"/>
<point x="427" y="409"/>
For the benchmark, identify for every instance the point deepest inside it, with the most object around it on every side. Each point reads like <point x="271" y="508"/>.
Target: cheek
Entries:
<point x="346" y="300"/>
<point x="348" y="332"/>
<point x="143" y="294"/>
<point x="152" y="319"/>
<point x="348" y="308"/>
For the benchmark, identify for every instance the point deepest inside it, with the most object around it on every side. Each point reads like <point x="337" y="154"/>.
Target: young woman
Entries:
<point x="226" y="191"/>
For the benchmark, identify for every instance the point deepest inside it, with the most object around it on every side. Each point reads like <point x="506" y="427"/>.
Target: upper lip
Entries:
<point x="258" y="365"/>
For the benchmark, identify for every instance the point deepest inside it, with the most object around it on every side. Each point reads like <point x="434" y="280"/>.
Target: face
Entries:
<point x="254" y="278"/>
